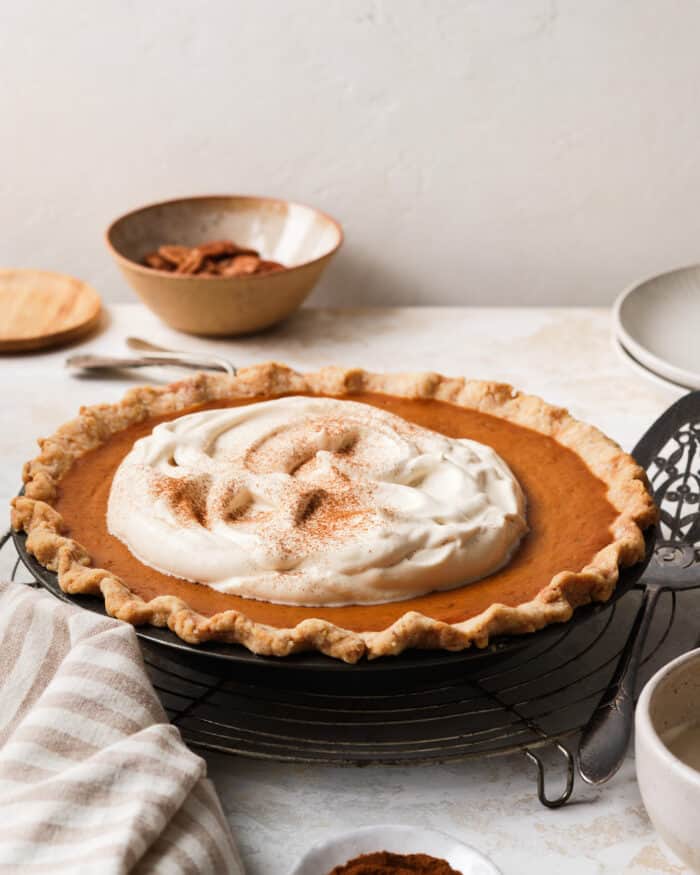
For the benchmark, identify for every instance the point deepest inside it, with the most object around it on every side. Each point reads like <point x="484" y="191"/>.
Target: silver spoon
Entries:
<point x="151" y="355"/>
<point x="89" y="362"/>
<point x="145" y="346"/>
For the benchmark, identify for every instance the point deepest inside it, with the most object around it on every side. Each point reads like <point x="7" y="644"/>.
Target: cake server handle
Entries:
<point x="605" y="738"/>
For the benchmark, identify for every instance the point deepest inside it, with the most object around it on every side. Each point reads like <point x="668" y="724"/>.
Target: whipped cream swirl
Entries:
<point x="315" y="501"/>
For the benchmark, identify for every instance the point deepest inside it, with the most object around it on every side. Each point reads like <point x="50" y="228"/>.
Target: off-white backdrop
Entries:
<point x="485" y="152"/>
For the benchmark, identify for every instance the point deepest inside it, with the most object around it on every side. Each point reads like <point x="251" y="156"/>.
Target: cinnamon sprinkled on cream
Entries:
<point x="315" y="501"/>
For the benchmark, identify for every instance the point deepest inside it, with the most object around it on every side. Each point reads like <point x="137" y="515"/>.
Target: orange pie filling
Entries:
<point x="568" y="515"/>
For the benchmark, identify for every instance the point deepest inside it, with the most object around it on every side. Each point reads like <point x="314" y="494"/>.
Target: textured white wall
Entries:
<point x="476" y="152"/>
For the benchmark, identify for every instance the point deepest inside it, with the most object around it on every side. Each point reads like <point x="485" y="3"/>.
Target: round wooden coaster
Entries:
<point x="40" y="309"/>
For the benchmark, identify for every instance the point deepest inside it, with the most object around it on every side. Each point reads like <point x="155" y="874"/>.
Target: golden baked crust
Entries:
<point x="627" y="493"/>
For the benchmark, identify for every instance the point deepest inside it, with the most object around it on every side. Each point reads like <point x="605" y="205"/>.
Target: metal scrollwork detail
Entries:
<point x="674" y="475"/>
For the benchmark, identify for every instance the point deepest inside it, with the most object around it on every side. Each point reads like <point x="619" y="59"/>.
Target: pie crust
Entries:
<point x="626" y="484"/>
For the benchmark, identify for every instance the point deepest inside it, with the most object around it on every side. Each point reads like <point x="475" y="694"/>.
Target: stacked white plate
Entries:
<point x="656" y="328"/>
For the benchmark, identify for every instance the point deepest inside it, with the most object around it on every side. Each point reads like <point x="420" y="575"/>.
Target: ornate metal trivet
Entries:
<point x="675" y="480"/>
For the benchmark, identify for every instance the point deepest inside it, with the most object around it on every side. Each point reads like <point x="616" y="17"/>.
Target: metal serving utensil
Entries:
<point x="150" y="355"/>
<point x="670" y="452"/>
<point x="145" y="346"/>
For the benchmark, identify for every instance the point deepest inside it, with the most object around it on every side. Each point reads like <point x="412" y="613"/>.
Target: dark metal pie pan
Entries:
<point x="416" y="666"/>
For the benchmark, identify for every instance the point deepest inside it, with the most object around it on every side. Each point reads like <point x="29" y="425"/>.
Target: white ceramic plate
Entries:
<point x="658" y="322"/>
<point x="639" y="368"/>
<point x="397" y="840"/>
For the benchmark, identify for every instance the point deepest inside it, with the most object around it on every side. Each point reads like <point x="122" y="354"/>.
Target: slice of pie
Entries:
<point x="341" y="511"/>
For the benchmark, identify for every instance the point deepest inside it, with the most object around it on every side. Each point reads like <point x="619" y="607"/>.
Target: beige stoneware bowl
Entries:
<point x="300" y="237"/>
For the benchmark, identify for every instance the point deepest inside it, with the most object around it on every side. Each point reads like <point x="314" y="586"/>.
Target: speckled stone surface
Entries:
<point x="278" y="810"/>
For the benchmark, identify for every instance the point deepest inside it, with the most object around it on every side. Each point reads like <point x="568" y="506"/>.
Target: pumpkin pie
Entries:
<point x="353" y="513"/>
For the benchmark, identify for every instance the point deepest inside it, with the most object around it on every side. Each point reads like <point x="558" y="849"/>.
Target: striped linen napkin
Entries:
<point x="93" y="778"/>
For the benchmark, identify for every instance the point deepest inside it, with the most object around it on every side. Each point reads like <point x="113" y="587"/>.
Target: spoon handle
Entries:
<point x="209" y="361"/>
<point x="101" y="362"/>
<point x="605" y="738"/>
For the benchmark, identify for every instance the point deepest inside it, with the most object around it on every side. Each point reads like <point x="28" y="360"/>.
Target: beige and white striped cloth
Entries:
<point x="93" y="779"/>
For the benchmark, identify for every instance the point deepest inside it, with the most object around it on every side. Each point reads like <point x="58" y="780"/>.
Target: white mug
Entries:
<point x="670" y="789"/>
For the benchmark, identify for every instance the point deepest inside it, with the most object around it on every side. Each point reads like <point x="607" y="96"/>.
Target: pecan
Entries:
<point x="215" y="258"/>
<point x="266" y="266"/>
<point x="156" y="261"/>
<point x="192" y="263"/>
<point x="174" y="254"/>
<point x="224" y="265"/>
<point x="209" y="267"/>
<point x="242" y="265"/>
<point x="246" y="250"/>
<point x="218" y="249"/>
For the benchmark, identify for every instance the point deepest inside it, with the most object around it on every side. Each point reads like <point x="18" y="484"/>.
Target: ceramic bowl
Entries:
<point x="670" y="789"/>
<point x="300" y="237"/>
<point x="322" y="858"/>
<point x="656" y="321"/>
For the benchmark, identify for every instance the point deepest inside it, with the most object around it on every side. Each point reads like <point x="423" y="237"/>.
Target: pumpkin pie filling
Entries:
<point x="569" y="516"/>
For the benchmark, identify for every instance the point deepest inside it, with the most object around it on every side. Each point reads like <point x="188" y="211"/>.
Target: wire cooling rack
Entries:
<point x="541" y="695"/>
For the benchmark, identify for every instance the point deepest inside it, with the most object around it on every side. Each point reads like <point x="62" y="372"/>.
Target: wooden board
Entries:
<point x="40" y="309"/>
